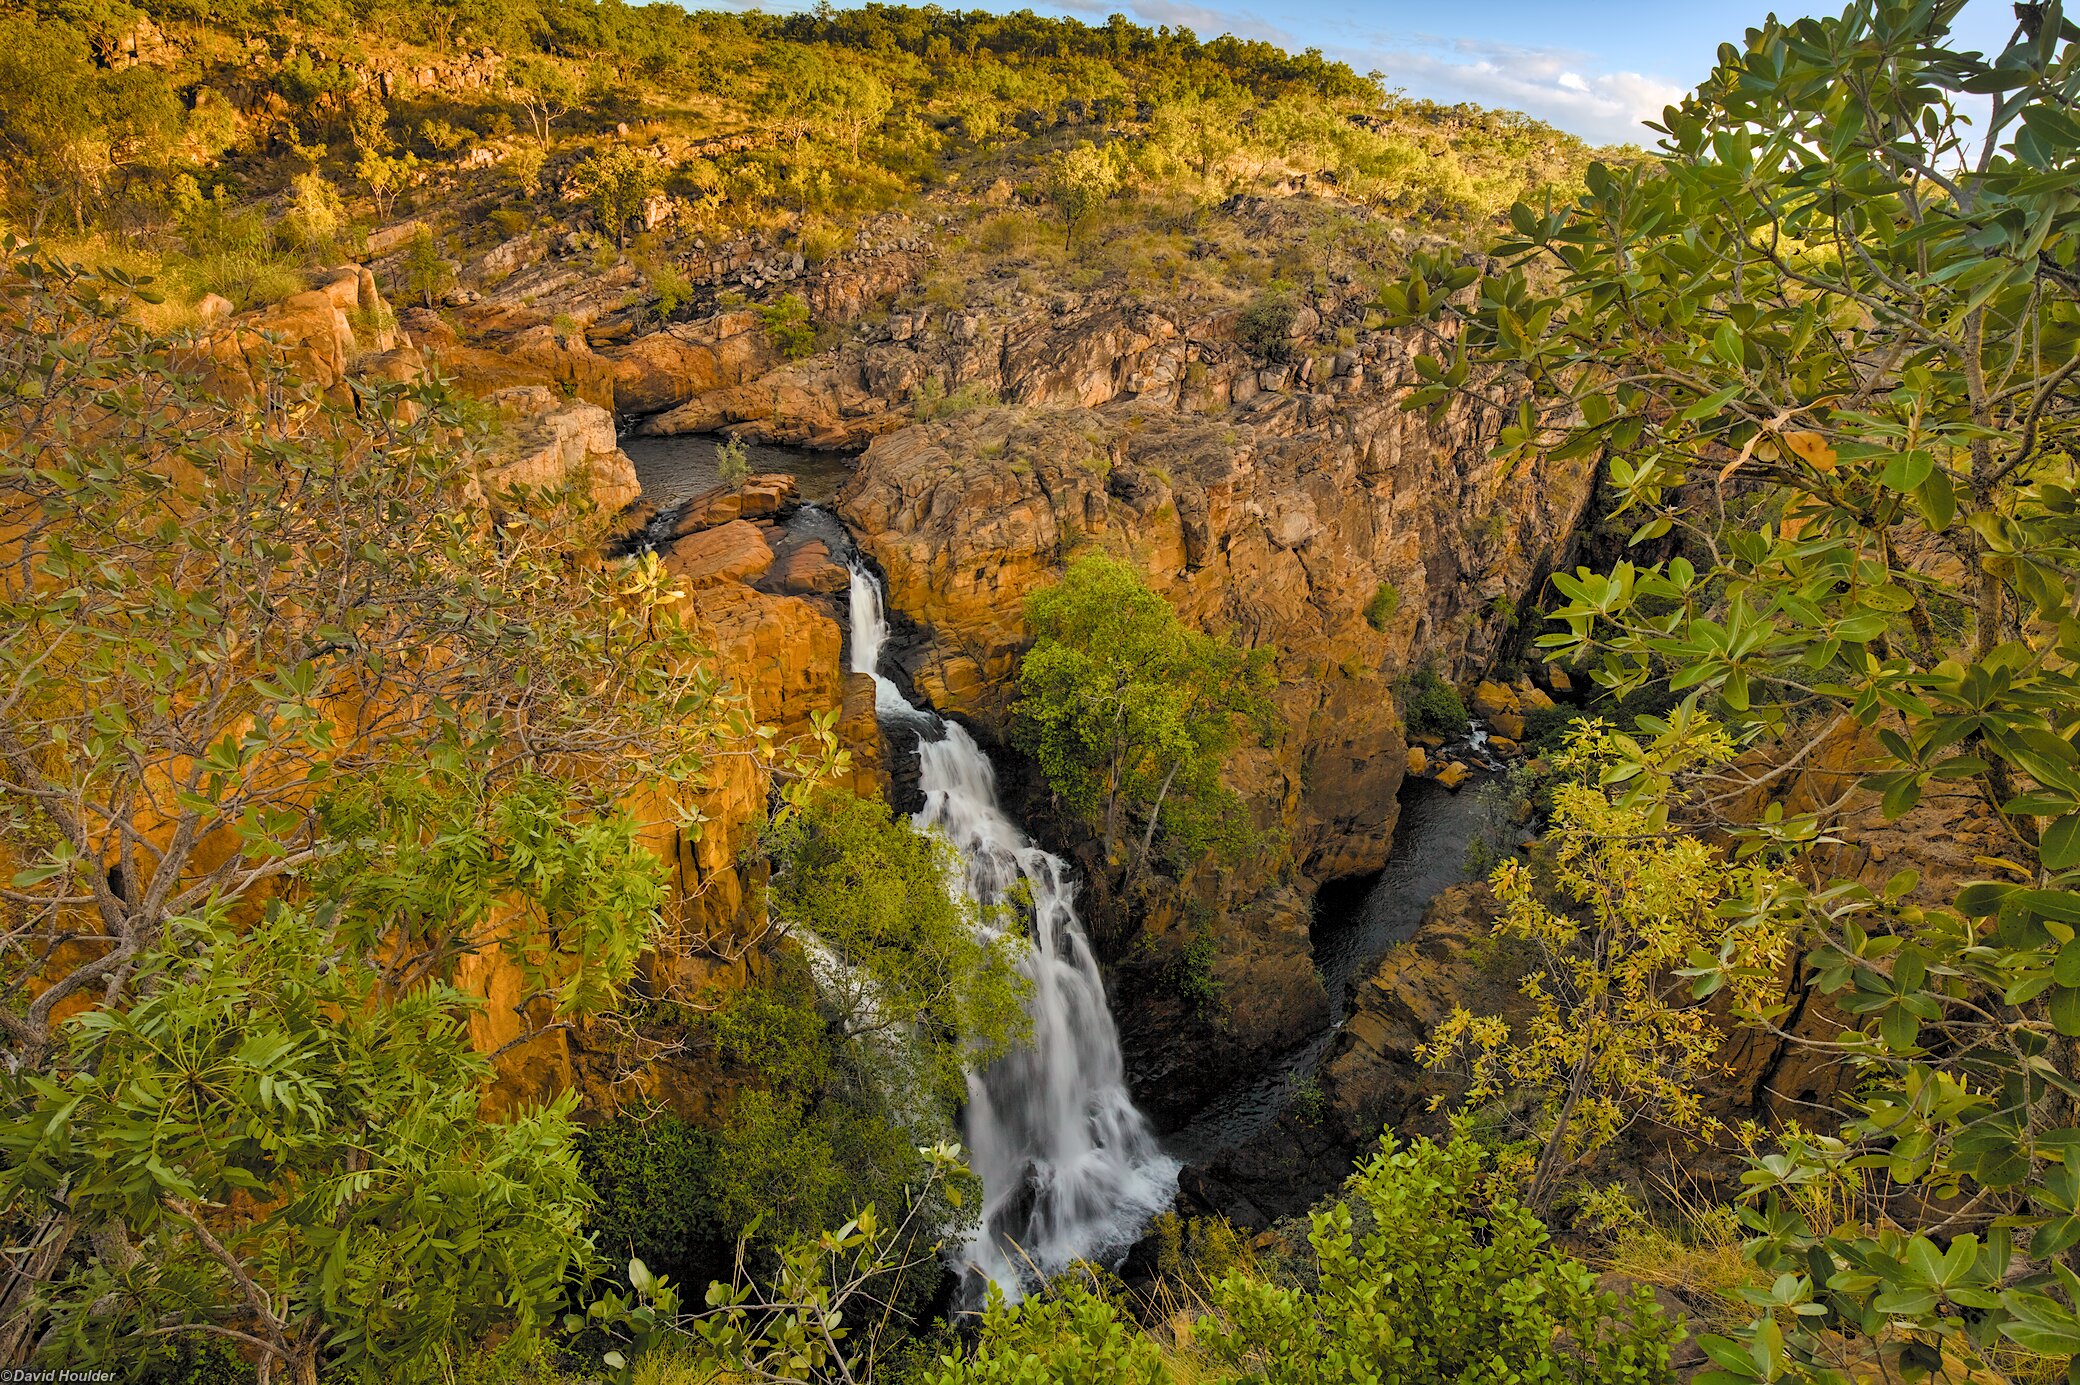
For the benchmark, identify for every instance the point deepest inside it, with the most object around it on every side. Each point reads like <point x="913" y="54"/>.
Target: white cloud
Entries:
<point x="1557" y="86"/>
<point x="1567" y="89"/>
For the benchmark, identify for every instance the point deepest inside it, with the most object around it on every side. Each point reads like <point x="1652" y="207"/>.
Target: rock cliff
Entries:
<point x="1278" y="504"/>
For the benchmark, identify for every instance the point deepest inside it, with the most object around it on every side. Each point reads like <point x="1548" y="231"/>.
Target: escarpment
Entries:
<point x="1357" y="539"/>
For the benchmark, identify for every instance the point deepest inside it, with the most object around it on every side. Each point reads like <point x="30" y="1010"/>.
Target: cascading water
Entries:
<point x="1069" y="1168"/>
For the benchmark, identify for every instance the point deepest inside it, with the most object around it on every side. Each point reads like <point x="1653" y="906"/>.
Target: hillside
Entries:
<point x="902" y="697"/>
<point x="228" y="150"/>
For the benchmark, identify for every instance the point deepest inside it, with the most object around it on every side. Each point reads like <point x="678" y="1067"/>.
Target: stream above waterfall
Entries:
<point x="675" y="468"/>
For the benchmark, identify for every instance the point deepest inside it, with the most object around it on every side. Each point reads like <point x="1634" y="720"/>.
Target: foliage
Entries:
<point x="284" y="1148"/>
<point x="1615" y="908"/>
<point x="255" y="655"/>
<point x="787" y="326"/>
<point x="1852" y="318"/>
<point x="615" y="182"/>
<point x="933" y="400"/>
<point x="1131" y="714"/>
<point x="1425" y="1270"/>
<point x="316" y="215"/>
<point x="1266" y="324"/>
<point x="1445" y="1278"/>
<point x="1068" y="1333"/>
<point x="1078" y="182"/>
<point x="427" y="272"/>
<point x="1381" y="608"/>
<point x="733" y="462"/>
<point x="1430" y="706"/>
<point x="917" y="970"/>
<point x="385" y="176"/>
<point x="796" y="1328"/>
<point x="544" y="89"/>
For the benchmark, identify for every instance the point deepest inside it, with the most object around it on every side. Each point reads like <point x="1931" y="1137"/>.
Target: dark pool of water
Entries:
<point x="672" y="469"/>
<point x="1355" y="922"/>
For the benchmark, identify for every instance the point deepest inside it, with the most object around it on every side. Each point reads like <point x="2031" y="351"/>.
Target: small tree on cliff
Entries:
<point x="1614" y="909"/>
<point x="1131" y="714"/>
<point x="258" y="661"/>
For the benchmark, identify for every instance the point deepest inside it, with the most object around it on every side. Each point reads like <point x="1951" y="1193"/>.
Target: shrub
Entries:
<point x="931" y="399"/>
<point x="1430" y="706"/>
<point x="787" y="325"/>
<point x="732" y="463"/>
<point x="1265" y="326"/>
<point x="1431" y="1271"/>
<point x="1380" y="610"/>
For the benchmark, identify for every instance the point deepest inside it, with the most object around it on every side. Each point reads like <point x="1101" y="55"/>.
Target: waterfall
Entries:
<point x="1070" y="1170"/>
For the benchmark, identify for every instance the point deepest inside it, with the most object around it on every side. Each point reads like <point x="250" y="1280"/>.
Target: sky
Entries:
<point x="1593" y="67"/>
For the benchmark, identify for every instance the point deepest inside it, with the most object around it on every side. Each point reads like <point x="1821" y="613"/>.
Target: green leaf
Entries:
<point x="2060" y="845"/>
<point x="2064" y="1008"/>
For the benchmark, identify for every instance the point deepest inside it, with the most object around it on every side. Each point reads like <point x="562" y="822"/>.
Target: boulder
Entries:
<point x="734" y="552"/>
<point x="1507" y="725"/>
<point x="1453" y="773"/>
<point x="810" y="569"/>
<point x="1491" y="699"/>
<point x="769" y="495"/>
<point x="1418" y="760"/>
<point x="1530" y="697"/>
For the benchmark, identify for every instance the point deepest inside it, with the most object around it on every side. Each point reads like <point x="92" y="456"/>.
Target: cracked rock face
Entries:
<point x="1275" y="525"/>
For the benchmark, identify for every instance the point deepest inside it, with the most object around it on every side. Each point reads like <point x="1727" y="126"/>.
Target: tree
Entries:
<point x="545" y="90"/>
<point x="615" y="182"/>
<point x="913" y="961"/>
<point x="275" y="1154"/>
<point x="1078" y="182"/>
<point x="1848" y="322"/>
<point x="1615" y="907"/>
<point x="385" y="176"/>
<point x="1130" y="714"/>
<point x="427" y="272"/>
<point x="1199" y="126"/>
<point x="260" y="653"/>
<point x="732" y="462"/>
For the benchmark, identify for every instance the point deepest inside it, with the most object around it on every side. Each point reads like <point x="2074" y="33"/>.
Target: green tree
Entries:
<point x="1614" y="904"/>
<point x="427" y="272"/>
<point x="1078" y="182"/>
<point x="915" y="960"/>
<point x="278" y="1155"/>
<point x="1849" y="317"/>
<point x="615" y="182"/>
<point x="385" y="176"/>
<point x="1131" y="714"/>
<point x="256" y="652"/>
<point x="733" y="462"/>
<point x="545" y="91"/>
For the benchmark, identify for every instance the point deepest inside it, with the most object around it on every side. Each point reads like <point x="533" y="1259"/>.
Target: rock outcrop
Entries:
<point x="1277" y="522"/>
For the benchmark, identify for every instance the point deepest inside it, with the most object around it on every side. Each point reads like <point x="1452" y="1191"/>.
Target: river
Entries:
<point x="1355" y="922"/>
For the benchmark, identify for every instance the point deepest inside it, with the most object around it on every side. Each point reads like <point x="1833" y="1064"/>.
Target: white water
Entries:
<point x="1069" y="1168"/>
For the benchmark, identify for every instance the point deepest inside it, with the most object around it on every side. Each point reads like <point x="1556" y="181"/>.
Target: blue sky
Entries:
<point x="1595" y="67"/>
